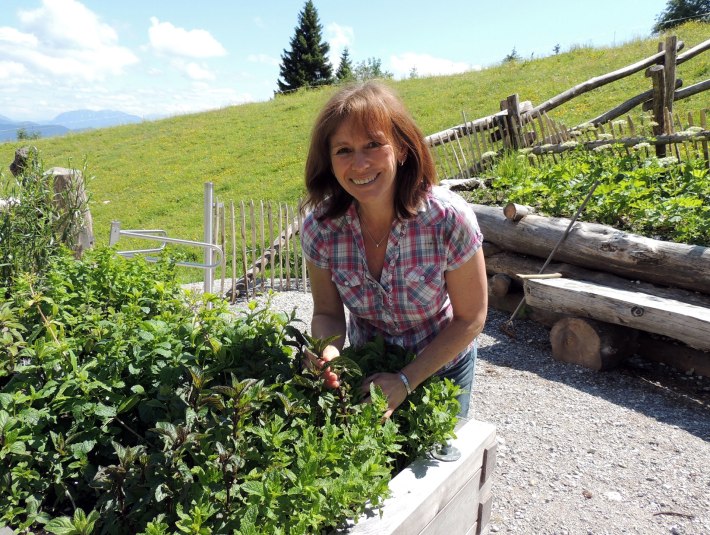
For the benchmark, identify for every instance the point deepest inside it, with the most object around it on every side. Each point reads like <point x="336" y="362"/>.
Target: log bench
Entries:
<point x="597" y="343"/>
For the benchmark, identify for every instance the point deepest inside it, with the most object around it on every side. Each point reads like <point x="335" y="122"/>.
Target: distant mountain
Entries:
<point x="10" y="128"/>
<point x="65" y="122"/>
<point x="83" y="119"/>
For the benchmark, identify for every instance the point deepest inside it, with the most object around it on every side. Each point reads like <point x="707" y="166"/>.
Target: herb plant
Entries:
<point x="659" y="198"/>
<point x="128" y="406"/>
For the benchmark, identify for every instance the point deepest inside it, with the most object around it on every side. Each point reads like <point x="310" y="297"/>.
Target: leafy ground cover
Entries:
<point x="655" y="197"/>
<point x="128" y="407"/>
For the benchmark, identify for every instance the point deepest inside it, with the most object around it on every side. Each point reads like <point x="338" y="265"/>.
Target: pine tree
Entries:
<point x="345" y="69"/>
<point x="679" y="11"/>
<point x="306" y="64"/>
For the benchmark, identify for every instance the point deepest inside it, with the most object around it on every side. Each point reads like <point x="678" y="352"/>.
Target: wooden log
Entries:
<point x="499" y="285"/>
<point x="657" y="75"/>
<point x="669" y="62"/>
<point x="682" y="321"/>
<point x="692" y="52"/>
<point x="599" y="81"/>
<point x="671" y="353"/>
<point x="591" y="245"/>
<point x="70" y="198"/>
<point x="515" y="212"/>
<point x="513" y="265"/>
<point x="592" y="344"/>
<point x="642" y="98"/>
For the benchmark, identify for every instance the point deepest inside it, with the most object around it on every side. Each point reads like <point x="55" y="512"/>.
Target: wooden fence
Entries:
<point x="464" y="150"/>
<point x="261" y="245"/>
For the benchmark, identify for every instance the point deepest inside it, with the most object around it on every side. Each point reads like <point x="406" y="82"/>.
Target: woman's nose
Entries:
<point x="360" y="160"/>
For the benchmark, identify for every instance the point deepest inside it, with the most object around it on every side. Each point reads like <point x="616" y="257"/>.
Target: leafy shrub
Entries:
<point x="659" y="198"/>
<point x="34" y="227"/>
<point x="128" y="407"/>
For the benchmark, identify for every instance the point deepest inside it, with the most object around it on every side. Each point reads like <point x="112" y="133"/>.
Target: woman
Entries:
<point x="403" y="256"/>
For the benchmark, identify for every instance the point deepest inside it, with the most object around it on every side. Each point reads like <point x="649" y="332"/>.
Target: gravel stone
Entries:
<point x="579" y="451"/>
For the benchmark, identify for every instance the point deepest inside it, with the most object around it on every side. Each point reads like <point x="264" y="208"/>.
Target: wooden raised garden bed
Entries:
<point x="440" y="497"/>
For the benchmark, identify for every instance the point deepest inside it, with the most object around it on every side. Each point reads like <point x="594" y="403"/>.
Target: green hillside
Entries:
<point x="151" y="175"/>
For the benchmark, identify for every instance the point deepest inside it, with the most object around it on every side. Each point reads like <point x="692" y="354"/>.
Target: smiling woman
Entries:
<point x="403" y="256"/>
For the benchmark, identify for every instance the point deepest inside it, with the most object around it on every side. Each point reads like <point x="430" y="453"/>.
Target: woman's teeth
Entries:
<point x="362" y="181"/>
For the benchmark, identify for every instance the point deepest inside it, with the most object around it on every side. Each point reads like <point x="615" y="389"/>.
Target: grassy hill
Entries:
<point x="151" y="175"/>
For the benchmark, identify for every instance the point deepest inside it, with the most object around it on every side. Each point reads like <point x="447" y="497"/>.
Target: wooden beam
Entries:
<point x="682" y="321"/>
<point x="592" y="245"/>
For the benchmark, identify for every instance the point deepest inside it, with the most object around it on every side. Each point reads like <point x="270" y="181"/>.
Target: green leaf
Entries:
<point x="61" y="526"/>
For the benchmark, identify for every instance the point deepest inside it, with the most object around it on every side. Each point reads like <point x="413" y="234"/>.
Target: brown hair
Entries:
<point x="376" y="107"/>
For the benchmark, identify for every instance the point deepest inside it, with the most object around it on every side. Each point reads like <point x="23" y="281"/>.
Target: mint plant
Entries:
<point x="127" y="406"/>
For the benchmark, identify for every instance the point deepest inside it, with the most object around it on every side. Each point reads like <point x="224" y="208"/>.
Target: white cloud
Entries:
<point x="197" y="72"/>
<point x="17" y="38"/>
<point x="338" y="37"/>
<point x="11" y="69"/>
<point x="64" y="38"/>
<point x="427" y="65"/>
<point x="168" y="39"/>
<point x="263" y="58"/>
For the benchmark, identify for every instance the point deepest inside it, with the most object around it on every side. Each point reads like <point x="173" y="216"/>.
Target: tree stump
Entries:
<point x="593" y="344"/>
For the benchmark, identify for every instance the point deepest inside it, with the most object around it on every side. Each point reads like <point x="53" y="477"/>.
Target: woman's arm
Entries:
<point x="468" y="292"/>
<point x="328" y="317"/>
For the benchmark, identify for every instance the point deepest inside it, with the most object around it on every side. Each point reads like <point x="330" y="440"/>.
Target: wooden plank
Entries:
<point x="424" y="489"/>
<point x="675" y="319"/>
<point x="460" y="514"/>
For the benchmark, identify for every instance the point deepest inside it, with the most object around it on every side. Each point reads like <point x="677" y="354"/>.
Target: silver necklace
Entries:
<point x="377" y="243"/>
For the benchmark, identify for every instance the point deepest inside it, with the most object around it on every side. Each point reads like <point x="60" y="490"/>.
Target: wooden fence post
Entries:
<point x="513" y="120"/>
<point x="657" y="75"/>
<point x="669" y="71"/>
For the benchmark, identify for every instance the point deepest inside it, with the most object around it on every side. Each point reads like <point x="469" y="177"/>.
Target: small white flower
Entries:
<point x="668" y="160"/>
<point x="642" y="145"/>
<point x="602" y="148"/>
<point x="489" y="154"/>
<point x="569" y="144"/>
<point x="605" y="136"/>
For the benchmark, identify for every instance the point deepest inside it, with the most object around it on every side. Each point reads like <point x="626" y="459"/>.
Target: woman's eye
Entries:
<point x="374" y="144"/>
<point x="342" y="150"/>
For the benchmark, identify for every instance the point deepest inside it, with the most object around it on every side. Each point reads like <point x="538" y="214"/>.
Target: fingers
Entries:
<point x="315" y="363"/>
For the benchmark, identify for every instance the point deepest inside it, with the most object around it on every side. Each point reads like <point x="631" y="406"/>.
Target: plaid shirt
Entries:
<point x="409" y="305"/>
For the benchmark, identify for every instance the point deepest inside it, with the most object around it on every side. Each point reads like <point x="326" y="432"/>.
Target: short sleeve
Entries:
<point x="313" y="242"/>
<point x="464" y="236"/>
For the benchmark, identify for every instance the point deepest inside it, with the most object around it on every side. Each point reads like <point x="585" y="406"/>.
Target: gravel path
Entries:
<point x="584" y="452"/>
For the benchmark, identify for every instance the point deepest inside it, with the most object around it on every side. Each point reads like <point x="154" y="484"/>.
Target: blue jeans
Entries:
<point x="463" y="374"/>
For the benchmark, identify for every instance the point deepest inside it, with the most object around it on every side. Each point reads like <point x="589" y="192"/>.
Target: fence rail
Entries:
<point x="464" y="150"/>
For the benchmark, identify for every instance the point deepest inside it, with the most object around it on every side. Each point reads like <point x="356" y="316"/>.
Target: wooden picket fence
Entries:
<point x="261" y="247"/>
<point x="465" y="150"/>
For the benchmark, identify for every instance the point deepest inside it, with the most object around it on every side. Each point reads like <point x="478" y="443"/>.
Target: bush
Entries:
<point x="34" y="227"/>
<point x="128" y="407"/>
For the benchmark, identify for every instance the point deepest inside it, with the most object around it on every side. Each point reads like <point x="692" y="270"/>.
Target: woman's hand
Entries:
<point x="314" y="362"/>
<point x="392" y="387"/>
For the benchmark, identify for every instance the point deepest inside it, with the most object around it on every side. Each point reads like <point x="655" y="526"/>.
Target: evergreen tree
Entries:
<point x="345" y="69"/>
<point x="306" y="64"/>
<point x="371" y="69"/>
<point x="679" y="11"/>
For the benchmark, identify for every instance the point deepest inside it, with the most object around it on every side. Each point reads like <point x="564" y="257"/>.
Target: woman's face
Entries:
<point x="365" y="164"/>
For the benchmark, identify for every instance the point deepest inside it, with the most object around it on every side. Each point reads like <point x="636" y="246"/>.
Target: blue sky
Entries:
<point x="158" y="58"/>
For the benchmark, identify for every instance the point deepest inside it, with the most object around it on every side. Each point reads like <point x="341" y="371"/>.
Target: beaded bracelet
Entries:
<point x="406" y="383"/>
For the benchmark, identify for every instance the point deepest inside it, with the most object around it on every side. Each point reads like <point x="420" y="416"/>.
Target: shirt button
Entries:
<point x="421" y="278"/>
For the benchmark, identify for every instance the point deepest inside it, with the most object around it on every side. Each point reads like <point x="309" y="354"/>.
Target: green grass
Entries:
<point x="151" y="175"/>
